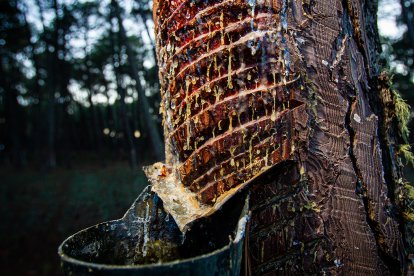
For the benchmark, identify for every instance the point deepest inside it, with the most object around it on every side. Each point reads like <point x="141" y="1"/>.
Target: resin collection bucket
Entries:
<point x="147" y="241"/>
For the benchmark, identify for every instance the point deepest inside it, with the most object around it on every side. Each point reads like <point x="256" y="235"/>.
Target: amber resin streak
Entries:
<point x="229" y="99"/>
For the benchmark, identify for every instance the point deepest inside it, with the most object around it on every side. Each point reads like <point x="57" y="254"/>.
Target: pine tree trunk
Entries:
<point x="116" y="60"/>
<point x="52" y="84"/>
<point x="150" y="123"/>
<point x="407" y="15"/>
<point x="13" y="112"/>
<point x="300" y="80"/>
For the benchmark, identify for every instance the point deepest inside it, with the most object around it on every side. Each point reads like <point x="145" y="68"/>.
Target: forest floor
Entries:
<point x="38" y="210"/>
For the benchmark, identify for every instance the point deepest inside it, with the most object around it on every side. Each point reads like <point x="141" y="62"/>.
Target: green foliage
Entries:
<point x="398" y="56"/>
<point x="405" y="151"/>
<point x="408" y="213"/>
<point x="403" y="113"/>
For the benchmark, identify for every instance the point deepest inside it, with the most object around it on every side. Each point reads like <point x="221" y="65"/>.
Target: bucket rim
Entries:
<point x="233" y="241"/>
<point x="66" y="258"/>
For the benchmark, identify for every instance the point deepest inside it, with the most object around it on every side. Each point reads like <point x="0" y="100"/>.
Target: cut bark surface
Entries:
<point x="230" y="100"/>
<point x="280" y="96"/>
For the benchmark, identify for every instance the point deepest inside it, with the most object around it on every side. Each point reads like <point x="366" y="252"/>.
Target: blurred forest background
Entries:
<point x="79" y="115"/>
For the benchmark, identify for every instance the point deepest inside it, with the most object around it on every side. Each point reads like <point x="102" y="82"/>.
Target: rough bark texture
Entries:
<point x="289" y="88"/>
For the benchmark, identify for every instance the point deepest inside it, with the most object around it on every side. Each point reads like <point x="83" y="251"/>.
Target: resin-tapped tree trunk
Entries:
<point x="285" y="98"/>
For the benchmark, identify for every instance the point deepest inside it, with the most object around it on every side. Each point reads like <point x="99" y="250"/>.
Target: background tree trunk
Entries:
<point x="97" y="137"/>
<point x="408" y="19"/>
<point x="329" y="204"/>
<point x="121" y="92"/>
<point x="151" y="127"/>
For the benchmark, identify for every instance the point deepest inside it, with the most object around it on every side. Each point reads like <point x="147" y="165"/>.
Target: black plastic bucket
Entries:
<point x="146" y="241"/>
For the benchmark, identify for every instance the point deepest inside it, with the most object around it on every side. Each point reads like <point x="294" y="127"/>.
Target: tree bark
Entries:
<point x="286" y="94"/>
